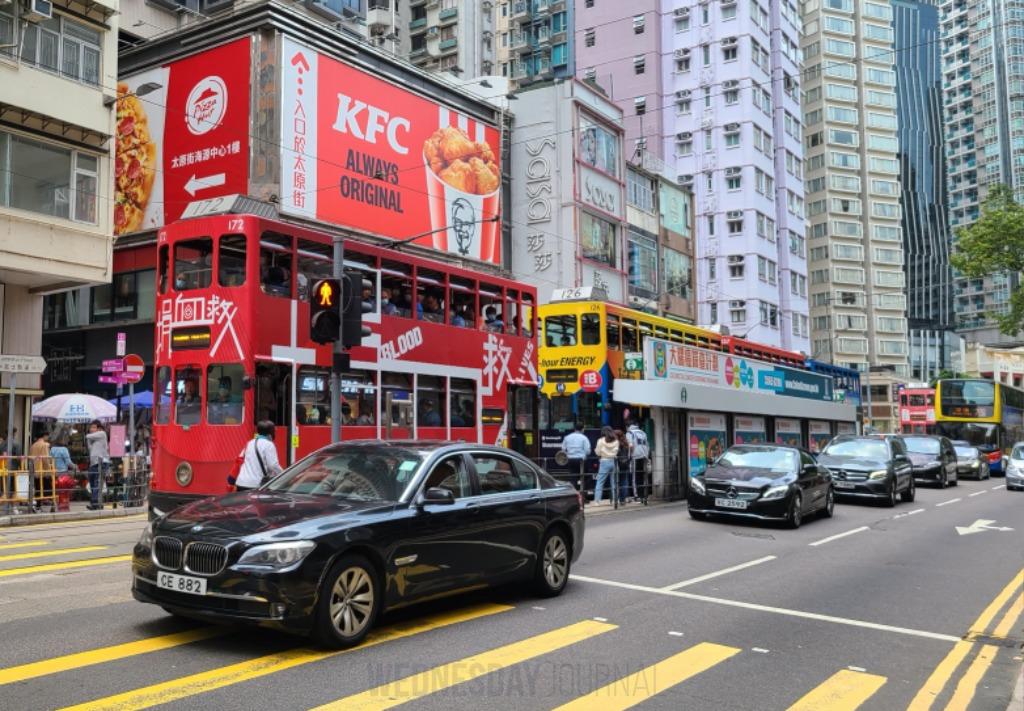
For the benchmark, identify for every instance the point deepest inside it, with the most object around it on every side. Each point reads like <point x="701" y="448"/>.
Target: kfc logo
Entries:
<point x="350" y="116"/>
<point x="206" y="105"/>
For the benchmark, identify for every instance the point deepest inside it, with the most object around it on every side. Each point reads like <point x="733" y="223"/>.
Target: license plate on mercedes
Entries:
<point x="181" y="583"/>
<point x="844" y="484"/>
<point x="730" y="503"/>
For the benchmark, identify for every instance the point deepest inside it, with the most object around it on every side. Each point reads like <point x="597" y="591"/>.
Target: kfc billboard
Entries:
<point x="360" y="152"/>
<point x="182" y="135"/>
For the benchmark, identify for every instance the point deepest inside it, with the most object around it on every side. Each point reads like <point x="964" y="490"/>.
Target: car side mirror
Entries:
<point x="436" y="496"/>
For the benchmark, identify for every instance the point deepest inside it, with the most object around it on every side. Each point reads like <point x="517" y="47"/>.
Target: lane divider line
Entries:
<point x="445" y="676"/>
<point x="838" y="536"/>
<point x="724" y="571"/>
<point x="640" y="686"/>
<point x="976" y="493"/>
<point x="946" y="503"/>
<point x="845" y="690"/>
<point x="23" y="544"/>
<point x="997" y="488"/>
<point x="52" y="552"/>
<point x="220" y="677"/>
<point x="50" y="567"/>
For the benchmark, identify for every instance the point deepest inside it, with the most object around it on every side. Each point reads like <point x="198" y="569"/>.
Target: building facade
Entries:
<point x="983" y="79"/>
<point x="713" y="90"/>
<point x="923" y="201"/>
<point x="58" y="83"/>
<point x="454" y="36"/>
<point x="535" y="40"/>
<point x="857" y="278"/>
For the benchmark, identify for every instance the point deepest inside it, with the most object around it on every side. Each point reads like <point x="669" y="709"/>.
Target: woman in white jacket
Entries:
<point x="607" y="450"/>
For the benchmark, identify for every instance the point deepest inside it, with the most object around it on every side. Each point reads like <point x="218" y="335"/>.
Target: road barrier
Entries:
<point x="27" y="482"/>
<point x="659" y="483"/>
<point x="32" y="484"/>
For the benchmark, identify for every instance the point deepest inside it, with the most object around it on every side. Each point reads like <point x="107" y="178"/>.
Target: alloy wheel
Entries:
<point x="556" y="562"/>
<point x="352" y="598"/>
<point x="796" y="506"/>
<point x="830" y="503"/>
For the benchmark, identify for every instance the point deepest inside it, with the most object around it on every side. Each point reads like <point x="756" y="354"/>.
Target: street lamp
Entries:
<point x="147" y="88"/>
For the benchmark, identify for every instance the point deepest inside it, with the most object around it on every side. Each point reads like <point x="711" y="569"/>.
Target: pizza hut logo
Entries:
<point x="206" y="105"/>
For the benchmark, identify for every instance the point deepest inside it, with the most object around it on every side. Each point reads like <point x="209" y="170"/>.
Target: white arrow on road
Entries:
<point x="195" y="184"/>
<point x="979" y="526"/>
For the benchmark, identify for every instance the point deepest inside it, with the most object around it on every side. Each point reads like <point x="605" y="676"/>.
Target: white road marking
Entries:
<point x="838" y="536"/>
<point x="915" y="511"/>
<point x="1001" y="486"/>
<point x="908" y="513"/>
<point x="724" y="571"/>
<point x="759" y="650"/>
<point x="977" y="493"/>
<point x="951" y="501"/>
<point x="768" y="608"/>
<point x="601" y="619"/>
<point x="673" y="633"/>
<point x="535" y="607"/>
<point x="857" y="669"/>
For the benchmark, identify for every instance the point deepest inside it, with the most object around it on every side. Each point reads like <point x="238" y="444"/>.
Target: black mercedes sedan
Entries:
<point x="768" y="482"/>
<point x="870" y="466"/>
<point x="361" y="527"/>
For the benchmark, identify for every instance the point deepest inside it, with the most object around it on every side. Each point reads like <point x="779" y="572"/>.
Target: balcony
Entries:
<point x="520" y="10"/>
<point x="448" y="45"/>
<point x="519" y="42"/>
<point x="448" y="15"/>
<point x="543" y="36"/>
<point x="417" y="25"/>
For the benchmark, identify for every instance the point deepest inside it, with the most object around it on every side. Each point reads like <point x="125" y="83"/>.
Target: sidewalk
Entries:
<point x="78" y="512"/>
<point x="592" y="509"/>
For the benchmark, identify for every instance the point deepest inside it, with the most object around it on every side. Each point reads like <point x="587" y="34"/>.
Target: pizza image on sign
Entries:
<point x="135" y="165"/>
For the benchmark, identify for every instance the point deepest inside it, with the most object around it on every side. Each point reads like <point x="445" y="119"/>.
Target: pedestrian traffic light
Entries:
<point x="325" y="311"/>
<point x="354" y="305"/>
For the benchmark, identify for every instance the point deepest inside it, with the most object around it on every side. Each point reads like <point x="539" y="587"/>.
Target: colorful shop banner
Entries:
<point x="707" y="437"/>
<point x="364" y="153"/>
<point x="664" y="360"/>
<point x="819" y="433"/>
<point x="748" y="430"/>
<point x="787" y="431"/>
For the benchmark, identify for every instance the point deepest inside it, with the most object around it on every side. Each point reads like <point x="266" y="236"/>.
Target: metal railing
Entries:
<point x="659" y="482"/>
<point x="30" y="484"/>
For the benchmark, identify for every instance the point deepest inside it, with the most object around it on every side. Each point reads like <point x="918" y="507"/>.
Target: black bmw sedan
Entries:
<point x="768" y="482"/>
<point x="357" y="528"/>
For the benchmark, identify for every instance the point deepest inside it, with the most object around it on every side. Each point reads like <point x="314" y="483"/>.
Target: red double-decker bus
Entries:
<point x="452" y="353"/>
<point x="917" y="411"/>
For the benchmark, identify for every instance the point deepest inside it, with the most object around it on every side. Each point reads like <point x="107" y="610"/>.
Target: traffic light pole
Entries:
<point x="337" y="348"/>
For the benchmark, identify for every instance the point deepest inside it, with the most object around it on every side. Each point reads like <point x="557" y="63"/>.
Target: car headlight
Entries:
<point x="146" y="539"/>
<point x="697" y="485"/>
<point x="974" y="464"/>
<point x="276" y="557"/>
<point x="880" y="474"/>
<point x="775" y="492"/>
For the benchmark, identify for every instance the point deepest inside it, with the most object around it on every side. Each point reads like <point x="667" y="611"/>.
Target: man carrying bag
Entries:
<point x="259" y="459"/>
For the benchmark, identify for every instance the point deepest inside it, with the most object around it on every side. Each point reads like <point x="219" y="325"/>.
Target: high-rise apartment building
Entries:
<point x="713" y="89"/>
<point x="925" y="221"/>
<point x="535" y="40"/>
<point x="452" y="36"/>
<point x="983" y="78"/>
<point x="858" y="298"/>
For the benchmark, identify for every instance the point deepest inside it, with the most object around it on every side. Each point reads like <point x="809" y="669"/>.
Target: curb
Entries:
<point x="31" y="519"/>
<point x="1017" y="701"/>
<point x="591" y="511"/>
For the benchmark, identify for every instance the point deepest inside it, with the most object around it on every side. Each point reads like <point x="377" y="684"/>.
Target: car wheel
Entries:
<point x="830" y="504"/>
<point x="890" y="494"/>
<point x="553" y="564"/>
<point x="348" y="603"/>
<point x="796" y="513"/>
<point x="910" y="493"/>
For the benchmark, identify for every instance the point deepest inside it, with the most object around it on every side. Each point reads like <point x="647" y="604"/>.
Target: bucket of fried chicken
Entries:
<point x="463" y="181"/>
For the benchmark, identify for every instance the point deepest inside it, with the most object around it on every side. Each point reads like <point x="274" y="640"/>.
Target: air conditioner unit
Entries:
<point x="734" y="214"/>
<point x="737" y="304"/>
<point x="682" y="12"/>
<point x="682" y="53"/>
<point x="684" y="136"/>
<point x="729" y="41"/>
<point x="37" y="11"/>
<point x="684" y="179"/>
<point x="683" y="94"/>
<point x="731" y="84"/>
<point x="732" y="127"/>
<point x="433" y="32"/>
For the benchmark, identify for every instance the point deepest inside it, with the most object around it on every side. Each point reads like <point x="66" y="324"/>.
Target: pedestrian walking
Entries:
<point x="607" y="451"/>
<point x="41" y="447"/>
<point x="99" y="456"/>
<point x="259" y="459"/>
<point x="61" y="456"/>
<point x="640" y="457"/>
<point x="576" y="446"/>
<point x="622" y="466"/>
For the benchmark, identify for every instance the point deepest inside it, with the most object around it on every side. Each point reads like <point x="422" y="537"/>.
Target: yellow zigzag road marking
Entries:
<point x="845" y="690"/>
<point x="49" y="567"/>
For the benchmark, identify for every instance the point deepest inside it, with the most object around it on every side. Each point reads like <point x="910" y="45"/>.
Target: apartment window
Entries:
<point x="819" y="276"/>
<point x="705" y="52"/>
<point x="707" y="146"/>
<point x="812" y="95"/>
<point x="881" y="98"/>
<point x="678" y="278"/>
<point x="639" y="64"/>
<point x="683" y="65"/>
<point x="816" y="208"/>
<point x="884" y="165"/>
<point x="891" y="301"/>
<point x="711" y="225"/>
<point x="640" y="191"/>
<point x="812" y="118"/>
<point x="684" y="106"/>
<point x="844" y="182"/>
<point x="732" y="137"/>
<point x="682" y="24"/>
<point x="769" y="315"/>
<point x="712" y="268"/>
<point x="879" y="33"/>
<point x="821" y="323"/>
<point x="882" y="143"/>
<point x="734" y="182"/>
<point x="792" y="125"/>
<point x="885" y="187"/>
<point x="736" y="266"/>
<point x="60" y="45"/>
<point x="638" y="24"/>
<point x="588" y="3"/>
<point x="816" y="162"/>
<point x="729" y="11"/>
<point x="732" y="96"/>
<point x="643" y="266"/>
<point x="812" y="50"/>
<point x="892" y="347"/>
<point x="841" y="92"/>
<point x="848" y="275"/>
<point x="842" y="228"/>
<point x="735" y="225"/>
<point x="886" y="233"/>
<point x="841" y="5"/>
<point x="764" y="183"/>
<point x="766" y="270"/>
<point x="738" y="311"/>
<point x="793" y="165"/>
<point x="685" y="148"/>
<point x="839" y="25"/>
<point x="885" y="277"/>
<point x="763" y="142"/>
<point x="847" y="206"/>
<point x="729" y="54"/>
<point x="640" y="105"/>
<point x="888" y="256"/>
<point x="819" y="231"/>
<point x="765" y="227"/>
<point x="876" y="120"/>
<point x="852" y="345"/>
<point x="705" y="14"/>
<point x="890" y="324"/>
<point x="842" y="114"/>
<point x="843" y="138"/>
<point x="851" y="252"/>
<point x="714" y="312"/>
<point x="851" y="322"/>
<point x="844" y="160"/>
<point x="880" y="76"/>
<point x="707" y="97"/>
<point x="794" y="203"/>
<point x="589" y="38"/>
<point x="885" y="209"/>
<point x="877" y="11"/>
<point x="48" y="179"/>
<point x="840" y="47"/>
<point x="841" y="70"/>
<point x="819" y="254"/>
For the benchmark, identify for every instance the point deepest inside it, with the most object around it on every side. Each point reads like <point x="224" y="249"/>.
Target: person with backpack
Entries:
<point x="259" y="459"/>
<point x="639" y="454"/>
<point x="622" y="466"/>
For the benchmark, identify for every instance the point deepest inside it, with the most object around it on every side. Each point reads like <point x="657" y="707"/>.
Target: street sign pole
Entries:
<point x="131" y="421"/>
<point x="337" y="348"/>
<point x="10" y="440"/>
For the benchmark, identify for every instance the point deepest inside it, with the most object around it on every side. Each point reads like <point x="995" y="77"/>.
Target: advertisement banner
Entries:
<point x="675" y="209"/>
<point x="819" y="433"/>
<point x="749" y="430"/>
<point x="788" y="432"/>
<point x="360" y="152"/>
<point x="182" y="135"/>
<point x="707" y="437"/>
<point x="600" y="191"/>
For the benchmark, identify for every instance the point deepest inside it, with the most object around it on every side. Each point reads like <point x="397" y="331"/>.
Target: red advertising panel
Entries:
<point x="182" y="135"/>
<point x="363" y="153"/>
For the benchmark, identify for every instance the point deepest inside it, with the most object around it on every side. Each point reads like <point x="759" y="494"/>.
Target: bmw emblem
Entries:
<point x="197" y="528"/>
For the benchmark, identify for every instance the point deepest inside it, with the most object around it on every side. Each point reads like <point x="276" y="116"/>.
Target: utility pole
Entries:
<point x="338" y="347"/>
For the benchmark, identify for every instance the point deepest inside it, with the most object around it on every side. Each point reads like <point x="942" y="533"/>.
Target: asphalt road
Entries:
<point x="876" y="609"/>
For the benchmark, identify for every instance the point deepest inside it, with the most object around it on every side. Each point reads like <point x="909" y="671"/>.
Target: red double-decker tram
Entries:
<point x="917" y="410"/>
<point x="452" y="353"/>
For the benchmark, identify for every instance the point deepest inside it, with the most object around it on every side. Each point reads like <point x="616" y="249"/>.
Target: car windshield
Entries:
<point x="860" y="448"/>
<point x="922" y="445"/>
<point x="777" y="460"/>
<point x="356" y="474"/>
<point x="1018" y="452"/>
<point x="967" y="452"/>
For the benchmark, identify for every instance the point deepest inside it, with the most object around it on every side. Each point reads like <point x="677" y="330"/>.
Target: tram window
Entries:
<point x="273" y="393"/>
<point x="491" y="308"/>
<point x="612" y="332"/>
<point x="163" y="266"/>
<point x="676" y="336"/>
<point x="430" y="401"/>
<point x="645" y="332"/>
<point x="462" y="396"/>
<point x="399" y="387"/>
<point x="316" y="261"/>
<point x="589" y="405"/>
<point x="629" y="335"/>
<point x="528" y="312"/>
<point x="359" y="397"/>
<point x="661" y="332"/>
<point x="463" y="302"/>
<point x="224" y="395"/>
<point x="187" y="398"/>
<point x="560" y="330"/>
<point x="231" y="260"/>
<point x="591" y="327"/>
<point x="193" y="264"/>
<point x="430" y="295"/>
<point x="366" y="266"/>
<point x="312" y="397"/>
<point x="562" y="417"/>
<point x="162" y="409"/>
<point x="512" y="312"/>
<point x="276" y="264"/>
<point x="395" y="289"/>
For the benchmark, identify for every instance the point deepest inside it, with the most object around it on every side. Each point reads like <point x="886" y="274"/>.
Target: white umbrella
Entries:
<point x="74" y="407"/>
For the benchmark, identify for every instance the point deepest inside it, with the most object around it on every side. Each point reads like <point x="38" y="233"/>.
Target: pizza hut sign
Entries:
<point x="207" y="103"/>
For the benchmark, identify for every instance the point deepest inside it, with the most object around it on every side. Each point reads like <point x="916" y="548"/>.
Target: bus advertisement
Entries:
<point x="984" y="413"/>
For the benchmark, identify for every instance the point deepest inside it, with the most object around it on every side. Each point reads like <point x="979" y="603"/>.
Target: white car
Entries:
<point x="1014" y="468"/>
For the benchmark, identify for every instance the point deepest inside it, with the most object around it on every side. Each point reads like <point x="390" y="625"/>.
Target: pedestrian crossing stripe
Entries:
<point x="634" y="689"/>
<point x="23" y="544"/>
<point x="202" y="682"/>
<point x="52" y="552"/>
<point x="438" y="678"/>
<point x="67" y="565"/>
<point x="845" y="690"/>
